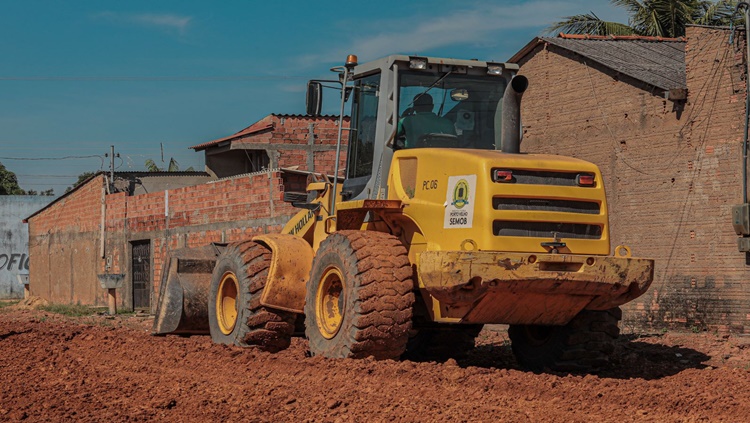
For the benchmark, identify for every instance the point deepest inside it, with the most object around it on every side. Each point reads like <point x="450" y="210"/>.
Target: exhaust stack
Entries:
<point x="511" y="135"/>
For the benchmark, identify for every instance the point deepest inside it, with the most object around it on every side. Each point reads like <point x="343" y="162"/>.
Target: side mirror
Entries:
<point x="314" y="99"/>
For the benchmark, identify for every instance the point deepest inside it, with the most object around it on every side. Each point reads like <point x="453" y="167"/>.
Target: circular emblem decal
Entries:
<point x="461" y="194"/>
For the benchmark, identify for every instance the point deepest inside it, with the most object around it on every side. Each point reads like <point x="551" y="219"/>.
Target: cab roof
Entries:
<point x="386" y="62"/>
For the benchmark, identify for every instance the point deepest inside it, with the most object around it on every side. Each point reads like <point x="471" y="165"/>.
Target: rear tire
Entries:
<point x="235" y="314"/>
<point x="440" y="342"/>
<point x="583" y="345"/>
<point x="359" y="296"/>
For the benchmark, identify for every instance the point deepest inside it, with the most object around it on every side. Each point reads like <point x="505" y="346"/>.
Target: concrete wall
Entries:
<point x="672" y="171"/>
<point x="14" y="240"/>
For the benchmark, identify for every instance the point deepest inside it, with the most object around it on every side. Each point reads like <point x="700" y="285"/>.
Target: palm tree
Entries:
<point x="658" y="18"/>
<point x="172" y="167"/>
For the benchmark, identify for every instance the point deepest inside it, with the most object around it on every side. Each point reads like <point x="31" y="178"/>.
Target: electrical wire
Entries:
<point x="150" y="78"/>
<point x="51" y="158"/>
<point x="700" y="150"/>
<point x="45" y="176"/>
<point x="606" y="123"/>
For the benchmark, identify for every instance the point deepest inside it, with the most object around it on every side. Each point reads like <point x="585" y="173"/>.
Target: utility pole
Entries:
<point x="112" y="163"/>
<point x="111" y="156"/>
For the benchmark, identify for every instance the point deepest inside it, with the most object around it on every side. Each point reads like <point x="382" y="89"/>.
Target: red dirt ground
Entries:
<point x="56" y="368"/>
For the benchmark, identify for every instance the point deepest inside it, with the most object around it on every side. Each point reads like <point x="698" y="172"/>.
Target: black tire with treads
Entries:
<point x="583" y="345"/>
<point x="439" y="342"/>
<point x="266" y="328"/>
<point x="374" y="303"/>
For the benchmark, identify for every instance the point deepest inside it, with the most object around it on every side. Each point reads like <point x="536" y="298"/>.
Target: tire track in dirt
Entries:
<point x="56" y="368"/>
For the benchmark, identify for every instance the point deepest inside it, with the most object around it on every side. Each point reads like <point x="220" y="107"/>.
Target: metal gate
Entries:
<point x="141" y="271"/>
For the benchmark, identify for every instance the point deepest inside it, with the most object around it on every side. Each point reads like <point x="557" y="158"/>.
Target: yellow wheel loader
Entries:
<point x="431" y="234"/>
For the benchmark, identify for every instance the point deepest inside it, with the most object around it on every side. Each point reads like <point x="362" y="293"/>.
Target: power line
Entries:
<point x="45" y="176"/>
<point x="151" y="78"/>
<point x="51" y="158"/>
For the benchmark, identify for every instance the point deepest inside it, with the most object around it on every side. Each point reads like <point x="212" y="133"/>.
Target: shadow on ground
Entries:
<point x="633" y="359"/>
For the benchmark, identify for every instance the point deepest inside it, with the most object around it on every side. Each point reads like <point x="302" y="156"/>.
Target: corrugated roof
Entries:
<point x="285" y="115"/>
<point x="657" y="61"/>
<point x="161" y="173"/>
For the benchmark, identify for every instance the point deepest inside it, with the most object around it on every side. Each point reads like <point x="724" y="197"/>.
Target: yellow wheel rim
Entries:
<point x="329" y="303"/>
<point x="226" y="303"/>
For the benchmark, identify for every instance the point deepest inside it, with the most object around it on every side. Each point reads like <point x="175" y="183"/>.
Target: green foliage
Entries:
<point x="50" y="192"/>
<point x="72" y="310"/>
<point x="151" y="166"/>
<point x="9" y="182"/>
<point x="8" y="303"/>
<point x="658" y="18"/>
<point x="590" y="24"/>
<point x="81" y="178"/>
<point x="173" y="166"/>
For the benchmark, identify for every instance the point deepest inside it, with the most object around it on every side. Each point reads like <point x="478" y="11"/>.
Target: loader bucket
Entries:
<point x="183" y="294"/>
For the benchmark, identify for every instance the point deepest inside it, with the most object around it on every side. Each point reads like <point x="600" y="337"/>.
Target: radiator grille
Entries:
<point x="546" y="229"/>
<point x="534" y="177"/>
<point x="542" y="204"/>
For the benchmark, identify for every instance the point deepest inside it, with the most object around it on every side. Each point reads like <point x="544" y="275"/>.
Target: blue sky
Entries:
<point x="79" y="76"/>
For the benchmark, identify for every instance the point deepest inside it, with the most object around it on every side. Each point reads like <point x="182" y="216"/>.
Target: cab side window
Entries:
<point x="364" y="121"/>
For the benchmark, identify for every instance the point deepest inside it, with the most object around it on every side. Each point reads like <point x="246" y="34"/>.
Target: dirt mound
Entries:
<point x="30" y="303"/>
<point x="97" y="368"/>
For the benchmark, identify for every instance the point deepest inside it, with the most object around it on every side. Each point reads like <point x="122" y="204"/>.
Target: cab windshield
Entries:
<point x="449" y="110"/>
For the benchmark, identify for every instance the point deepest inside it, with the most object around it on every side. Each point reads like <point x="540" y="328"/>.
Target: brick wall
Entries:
<point x="672" y="171"/>
<point x="221" y="211"/>
<point x="67" y="235"/>
<point x="65" y="238"/>
<point x="301" y="142"/>
<point x="63" y="246"/>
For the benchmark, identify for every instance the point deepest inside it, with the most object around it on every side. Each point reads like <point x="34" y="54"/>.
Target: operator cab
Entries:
<point x="385" y="94"/>
<point x="471" y="104"/>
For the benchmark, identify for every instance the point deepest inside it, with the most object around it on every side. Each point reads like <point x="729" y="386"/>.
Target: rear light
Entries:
<point x="585" y="180"/>
<point x="500" y="175"/>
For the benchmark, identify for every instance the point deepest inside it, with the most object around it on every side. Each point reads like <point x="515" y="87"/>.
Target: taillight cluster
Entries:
<point x="585" y="180"/>
<point x="581" y="179"/>
<point x="502" y="175"/>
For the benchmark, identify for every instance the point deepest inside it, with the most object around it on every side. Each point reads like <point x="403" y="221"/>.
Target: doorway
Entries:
<point x="141" y="271"/>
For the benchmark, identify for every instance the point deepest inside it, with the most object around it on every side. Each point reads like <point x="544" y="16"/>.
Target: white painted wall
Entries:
<point x="14" y="240"/>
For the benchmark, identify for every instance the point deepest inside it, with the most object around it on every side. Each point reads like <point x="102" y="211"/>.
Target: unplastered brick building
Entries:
<point x="126" y="225"/>
<point x="276" y="141"/>
<point x="663" y="119"/>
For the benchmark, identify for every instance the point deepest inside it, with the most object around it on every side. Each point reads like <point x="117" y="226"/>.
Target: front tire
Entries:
<point x="235" y="315"/>
<point x="359" y="296"/>
<point x="583" y="345"/>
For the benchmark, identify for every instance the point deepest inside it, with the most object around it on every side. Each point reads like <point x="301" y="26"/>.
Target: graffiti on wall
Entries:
<point x="14" y="262"/>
